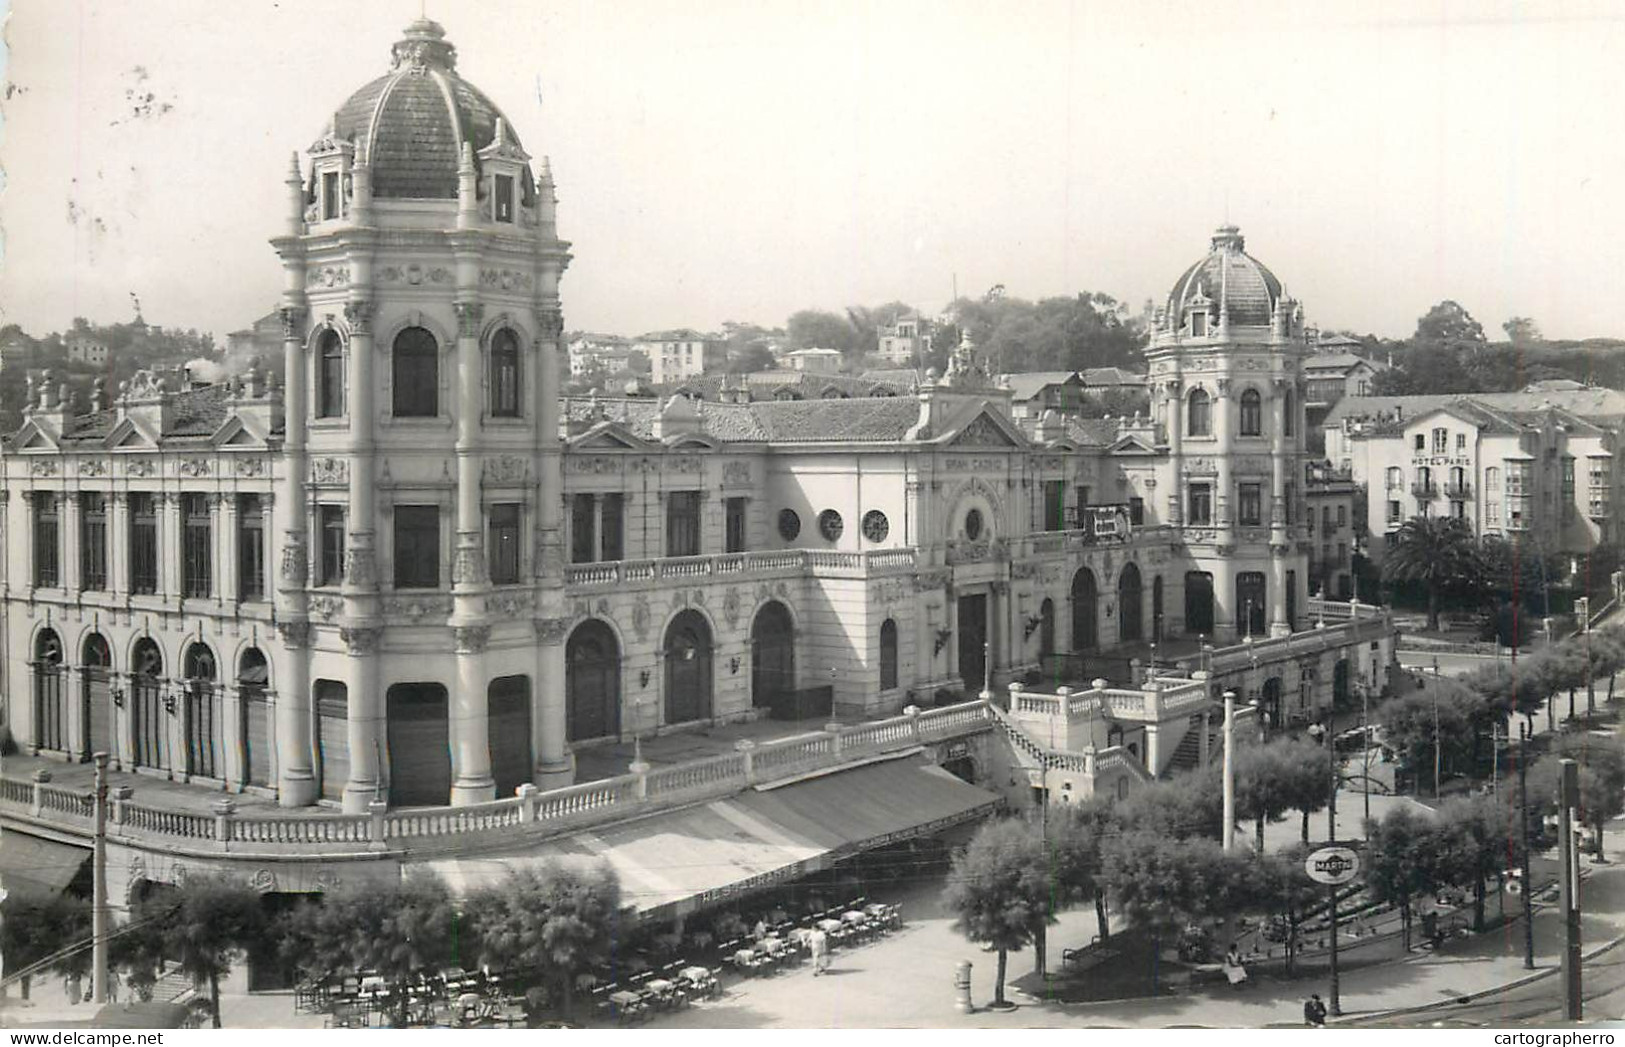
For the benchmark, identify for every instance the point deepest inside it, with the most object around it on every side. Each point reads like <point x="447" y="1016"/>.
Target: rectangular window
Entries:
<point x="1054" y="505"/>
<point x="683" y="523"/>
<point x="1342" y="515"/>
<point x="1461" y="441"/>
<point x="611" y="525"/>
<point x="250" y="548"/>
<point x="1326" y="519"/>
<point x="1421" y="442"/>
<point x="1393" y="512"/>
<point x="47" y="541"/>
<point x="1251" y="507"/>
<point x="1458" y="510"/>
<point x="92" y="541"/>
<point x="1201" y="508"/>
<point x="1441" y="441"/>
<point x="503" y="542"/>
<point x="143" y="543"/>
<point x="583" y="530"/>
<point x="1080" y="514"/>
<point x="736" y="526"/>
<point x="330" y="568"/>
<point x="417" y="547"/>
<point x="504" y="195"/>
<point x="197" y="554"/>
<point x="330" y="195"/>
<point x="1342" y="554"/>
<point x="1492" y="514"/>
<point x="1136" y="511"/>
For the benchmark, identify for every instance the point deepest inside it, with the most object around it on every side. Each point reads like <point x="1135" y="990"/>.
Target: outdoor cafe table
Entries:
<point x="626" y="1001"/>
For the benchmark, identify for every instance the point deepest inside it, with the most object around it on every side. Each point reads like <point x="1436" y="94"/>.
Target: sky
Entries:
<point x="741" y="159"/>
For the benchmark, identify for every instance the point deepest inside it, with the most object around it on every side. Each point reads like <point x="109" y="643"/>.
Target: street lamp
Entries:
<point x="1229" y="770"/>
<point x="638" y="765"/>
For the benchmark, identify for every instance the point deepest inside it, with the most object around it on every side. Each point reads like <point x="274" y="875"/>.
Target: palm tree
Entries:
<point x="1438" y="551"/>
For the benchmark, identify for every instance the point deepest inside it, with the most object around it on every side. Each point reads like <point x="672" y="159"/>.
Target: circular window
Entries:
<point x="973" y="524"/>
<point x="789" y="524"/>
<point x="830" y="525"/>
<point x="875" y="525"/>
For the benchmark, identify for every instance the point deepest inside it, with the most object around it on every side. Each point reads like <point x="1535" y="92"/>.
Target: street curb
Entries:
<point x="1457" y="1001"/>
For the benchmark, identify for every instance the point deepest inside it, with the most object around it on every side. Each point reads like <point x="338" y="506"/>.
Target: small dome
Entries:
<point x="1228" y="281"/>
<point x="411" y="124"/>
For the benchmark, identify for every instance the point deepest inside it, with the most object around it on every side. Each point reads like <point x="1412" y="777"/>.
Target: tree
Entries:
<point x="817" y="329"/>
<point x="1163" y="884"/>
<point x="753" y="357"/>
<point x="1399" y="864"/>
<point x="1602" y="780"/>
<point x="557" y="920"/>
<point x="1261" y="772"/>
<point x="34" y="929"/>
<point x="1522" y="331"/>
<point x="1437" y="551"/>
<point x="1280" y="885"/>
<point x="1189" y="805"/>
<point x="998" y="890"/>
<point x="1307" y="782"/>
<point x="1449" y="324"/>
<point x="1474" y="839"/>
<point x="1410" y="720"/>
<point x="139" y="946"/>
<point x="398" y="930"/>
<point x="216" y="919"/>
<point x="1075" y="836"/>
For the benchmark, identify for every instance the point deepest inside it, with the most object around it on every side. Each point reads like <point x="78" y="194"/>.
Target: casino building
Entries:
<point x="395" y="565"/>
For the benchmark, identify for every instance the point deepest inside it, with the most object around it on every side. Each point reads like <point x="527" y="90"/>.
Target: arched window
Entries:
<point x="1199" y="414"/>
<point x="50" y="713"/>
<point x="888" y="654"/>
<point x="416" y="375"/>
<point x="1252" y="413"/>
<point x="1288" y="414"/>
<point x="202" y="713"/>
<point x="505" y="374"/>
<point x="253" y="673"/>
<point x="329" y="375"/>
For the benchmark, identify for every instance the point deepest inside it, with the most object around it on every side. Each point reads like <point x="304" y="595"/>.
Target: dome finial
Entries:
<point x="1228" y="238"/>
<point x="424" y="46"/>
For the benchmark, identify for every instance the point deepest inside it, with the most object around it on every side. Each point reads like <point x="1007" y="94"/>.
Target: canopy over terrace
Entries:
<point x="682" y="861"/>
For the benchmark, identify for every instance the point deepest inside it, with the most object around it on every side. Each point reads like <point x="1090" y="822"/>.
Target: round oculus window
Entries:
<point x="830" y="525"/>
<point x="789" y="524"/>
<point x="973" y="524"/>
<point x="875" y="525"/>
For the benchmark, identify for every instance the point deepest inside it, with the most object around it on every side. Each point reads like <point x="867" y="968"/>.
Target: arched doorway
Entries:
<point x="96" y="695"/>
<point x="1085" y="608"/>
<point x="419" y="745"/>
<point x="1340" y="681"/>
<point x="1199" y="603"/>
<point x="772" y="654"/>
<point x="50" y="711"/>
<point x="202" y="714"/>
<point x="253" y="674"/>
<point x="688" y="668"/>
<point x="332" y="737"/>
<point x="508" y="732"/>
<point x="592" y="674"/>
<point x="1130" y="624"/>
<point x="1046" y="630"/>
<point x="147" y="703"/>
<point x="1270" y="702"/>
<point x="1251" y="609"/>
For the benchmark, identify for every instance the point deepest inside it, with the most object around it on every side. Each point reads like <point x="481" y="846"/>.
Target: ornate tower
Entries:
<point x="421" y="324"/>
<point x="1226" y="360"/>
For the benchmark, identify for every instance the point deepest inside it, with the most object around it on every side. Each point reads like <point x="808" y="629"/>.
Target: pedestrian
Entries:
<point x="1314" y="1012"/>
<point x="820" y="951"/>
<point x="112" y="986"/>
<point x="760" y="930"/>
<point x="75" y="987"/>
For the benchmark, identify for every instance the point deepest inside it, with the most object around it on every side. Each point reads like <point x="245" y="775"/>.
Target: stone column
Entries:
<point x="1223" y="492"/>
<point x="68" y="566"/>
<point x="365" y="729"/>
<point x="1280" y="543"/>
<point x="553" y="764"/>
<point x="1176" y="449"/>
<point x="554" y="767"/>
<point x="296" y="778"/>
<point x="470" y="741"/>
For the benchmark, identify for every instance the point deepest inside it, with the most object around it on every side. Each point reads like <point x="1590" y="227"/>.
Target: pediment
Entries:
<point x="237" y="434"/>
<point x="693" y="442"/>
<point x="32" y="437"/>
<point x="985" y="429"/>
<point x="1130" y="445"/>
<point x="609" y="436"/>
<point x="129" y="435"/>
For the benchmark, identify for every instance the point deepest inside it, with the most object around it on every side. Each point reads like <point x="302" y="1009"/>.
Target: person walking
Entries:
<point x="112" y="986"/>
<point x="1314" y="1011"/>
<point x="820" y="951"/>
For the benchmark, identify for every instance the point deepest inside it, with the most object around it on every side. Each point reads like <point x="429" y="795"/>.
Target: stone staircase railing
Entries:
<point x="1093" y="763"/>
<point x="533" y="813"/>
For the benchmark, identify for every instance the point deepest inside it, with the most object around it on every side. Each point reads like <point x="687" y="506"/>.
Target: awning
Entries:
<point x="691" y="858"/>
<point x="37" y="869"/>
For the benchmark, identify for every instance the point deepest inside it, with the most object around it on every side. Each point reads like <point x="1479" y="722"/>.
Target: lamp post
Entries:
<point x="1229" y="770"/>
<point x="1336" y="1006"/>
<point x="1523" y="822"/>
<point x="1365" y="739"/>
<point x="638" y="765"/>
<point x="1437" y="749"/>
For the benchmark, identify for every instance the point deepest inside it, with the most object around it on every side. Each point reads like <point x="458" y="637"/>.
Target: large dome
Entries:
<point x="1230" y="282"/>
<point x="410" y="124"/>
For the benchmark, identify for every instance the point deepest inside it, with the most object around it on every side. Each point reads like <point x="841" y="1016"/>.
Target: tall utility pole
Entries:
<point x="1336" y="1003"/>
<point x="1229" y="770"/>
<point x="1523" y="823"/>
<point x="1569" y="799"/>
<point x="98" y="912"/>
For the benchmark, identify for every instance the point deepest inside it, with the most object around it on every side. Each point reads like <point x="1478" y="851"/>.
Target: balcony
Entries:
<point x="733" y="565"/>
<point x="1424" y="489"/>
<point x="1460" y="491"/>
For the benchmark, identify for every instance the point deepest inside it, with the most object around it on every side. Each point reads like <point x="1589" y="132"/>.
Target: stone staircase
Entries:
<point x="1188" y="753"/>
